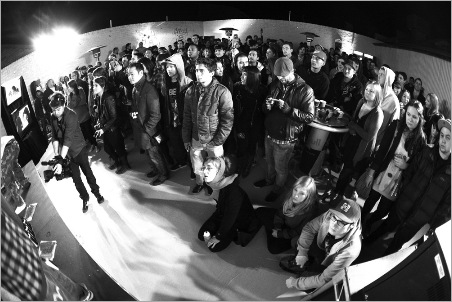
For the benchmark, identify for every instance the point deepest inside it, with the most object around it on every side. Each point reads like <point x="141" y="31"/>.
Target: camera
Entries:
<point x="65" y="172"/>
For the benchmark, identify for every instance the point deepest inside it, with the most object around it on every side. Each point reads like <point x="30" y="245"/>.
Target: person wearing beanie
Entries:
<point x="314" y="76"/>
<point x="327" y="244"/>
<point x="425" y="194"/>
<point x="289" y="106"/>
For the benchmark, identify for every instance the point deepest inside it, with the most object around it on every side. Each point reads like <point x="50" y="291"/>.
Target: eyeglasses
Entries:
<point x="57" y="109"/>
<point x="208" y="168"/>
<point x="341" y="223"/>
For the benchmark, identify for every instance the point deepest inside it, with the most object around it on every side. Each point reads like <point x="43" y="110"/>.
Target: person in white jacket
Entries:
<point x="338" y="244"/>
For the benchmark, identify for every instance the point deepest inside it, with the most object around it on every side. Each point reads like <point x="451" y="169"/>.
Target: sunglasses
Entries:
<point x="341" y="223"/>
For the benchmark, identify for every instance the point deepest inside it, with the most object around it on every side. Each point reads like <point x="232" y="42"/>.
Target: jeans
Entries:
<point x="175" y="144"/>
<point x="277" y="157"/>
<point x="114" y="144"/>
<point x="81" y="161"/>
<point x="197" y="158"/>
<point x="156" y="159"/>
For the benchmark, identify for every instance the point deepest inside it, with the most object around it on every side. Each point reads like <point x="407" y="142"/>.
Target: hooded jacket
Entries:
<point x="341" y="255"/>
<point x="208" y="116"/>
<point x="389" y="104"/>
<point x="161" y="81"/>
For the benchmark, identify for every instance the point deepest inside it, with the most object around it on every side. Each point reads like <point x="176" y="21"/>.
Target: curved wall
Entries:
<point x="434" y="72"/>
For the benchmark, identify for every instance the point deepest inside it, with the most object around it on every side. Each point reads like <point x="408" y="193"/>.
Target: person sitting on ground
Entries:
<point x="327" y="244"/>
<point x="283" y="226"/>
<point x="234" y="218"/>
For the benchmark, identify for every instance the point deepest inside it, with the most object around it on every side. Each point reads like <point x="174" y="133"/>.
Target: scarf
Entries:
<point x="290" y="209"/>
<point x="219" y="182"/>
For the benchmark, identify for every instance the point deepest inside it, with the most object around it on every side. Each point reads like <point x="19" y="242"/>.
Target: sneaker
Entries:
<point x="289" y="264"/>
<point x="197" y="189"/>
<point x="271" y="197"/>
<point x="261" y="183"/>
<point x="89" y="294"/>
<point x="152" y="174"/>
<point x="100" y="199"/>
<point x="113" y="166"/>
<point x="176" y="167"/>
<point x="121" y="169"/>
<point x="159" y="181"/>
<point x="85" y="206"/>
<point x="192" y="175"/>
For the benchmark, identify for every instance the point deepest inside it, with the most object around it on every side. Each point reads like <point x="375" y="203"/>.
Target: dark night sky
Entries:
<point x="21" y="20"/>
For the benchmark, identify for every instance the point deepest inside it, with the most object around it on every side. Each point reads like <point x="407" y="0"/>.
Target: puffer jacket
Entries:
<point x="300" y="98"/>
<point x="210" y="120"/>
<point x="341" y="255"/>
<point x="425" y="192"/>
<point x="161" y="86"/>
<point x="107" y="117"/>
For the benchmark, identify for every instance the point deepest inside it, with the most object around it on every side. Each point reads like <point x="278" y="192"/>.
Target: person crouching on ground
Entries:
<point x="338" y="244"/>
<point x="234" y="218"/>
<point x="283" y="226"/>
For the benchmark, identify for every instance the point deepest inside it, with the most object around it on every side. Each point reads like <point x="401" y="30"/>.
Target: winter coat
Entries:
<point x="425" y="191"/>
<point x="368" y="134"/>
<point x="341" y="255"/>
<point x="146" y="101"/>
<point x="248" y="108"/>
<point x="389" y="145"/>
<point x="300" y="98"/>
<point x="337" y="94"/>
<point x="234" y="209"/>
<point x="210" y="119"/>
<point x="161" y="81"/>
<point x="390" y="103"/>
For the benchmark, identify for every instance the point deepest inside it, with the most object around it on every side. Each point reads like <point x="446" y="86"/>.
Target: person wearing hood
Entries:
<point x="171" y="87"/>
<point x="328" y="244"/>
<point x="208" y="118"/>
<point x="234" y="218"/>
<point x="389" y="104"/>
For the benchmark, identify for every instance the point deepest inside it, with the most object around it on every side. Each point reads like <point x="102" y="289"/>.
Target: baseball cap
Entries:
<point x="320" y="54"/>
<point x="444" y="123"/>
<point x="347" y="210"/>
<point x="352" y="63"/>
<point x="283" y="67"/>
<point x="162" y="56"/>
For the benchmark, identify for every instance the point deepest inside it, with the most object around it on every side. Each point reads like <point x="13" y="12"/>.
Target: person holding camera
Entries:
<point x="68" y="140"/>
<point x="289" y="106"/>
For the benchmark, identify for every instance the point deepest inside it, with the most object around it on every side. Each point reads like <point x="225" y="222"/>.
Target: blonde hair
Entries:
<point x="378" y="92"/>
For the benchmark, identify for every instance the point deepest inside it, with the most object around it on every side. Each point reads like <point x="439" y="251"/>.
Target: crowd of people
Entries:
<point x="218" y="105"/>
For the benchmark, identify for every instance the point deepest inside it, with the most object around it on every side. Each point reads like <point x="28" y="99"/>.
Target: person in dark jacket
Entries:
<point x="75" y="75"/>
<point x="417" y="91"/>
<point x="223" y="77"/>
<point x="146" y="111"/>
<point x="405" y="138"/>
<point x="432" y="116"/>
<point x="234" y="218"/>
<point x="67" y="139"/>
<point x="425" y="195"/>
<point x="289" y="106"/>
<point x="314" y="76"/>
<point x="106" y="124"/>
<point x="283" y="226"/>
<point x="208" y="117"/>
<point x="249" y="96"/>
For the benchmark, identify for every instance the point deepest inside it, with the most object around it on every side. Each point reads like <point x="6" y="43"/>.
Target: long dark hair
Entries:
<point x="73" y="84"/>
<point x="434" y="104"/>
<point x="253" y="78"/>
<point x="416" y="138"/>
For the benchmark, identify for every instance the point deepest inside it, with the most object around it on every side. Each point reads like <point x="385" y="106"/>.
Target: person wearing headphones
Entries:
<point x="338" y="244"/>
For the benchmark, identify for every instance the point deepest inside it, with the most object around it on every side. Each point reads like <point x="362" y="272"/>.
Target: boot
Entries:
<point x="123" y="165"/>
<point x="85" y="206"/>
<point x="114" y="165"/>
